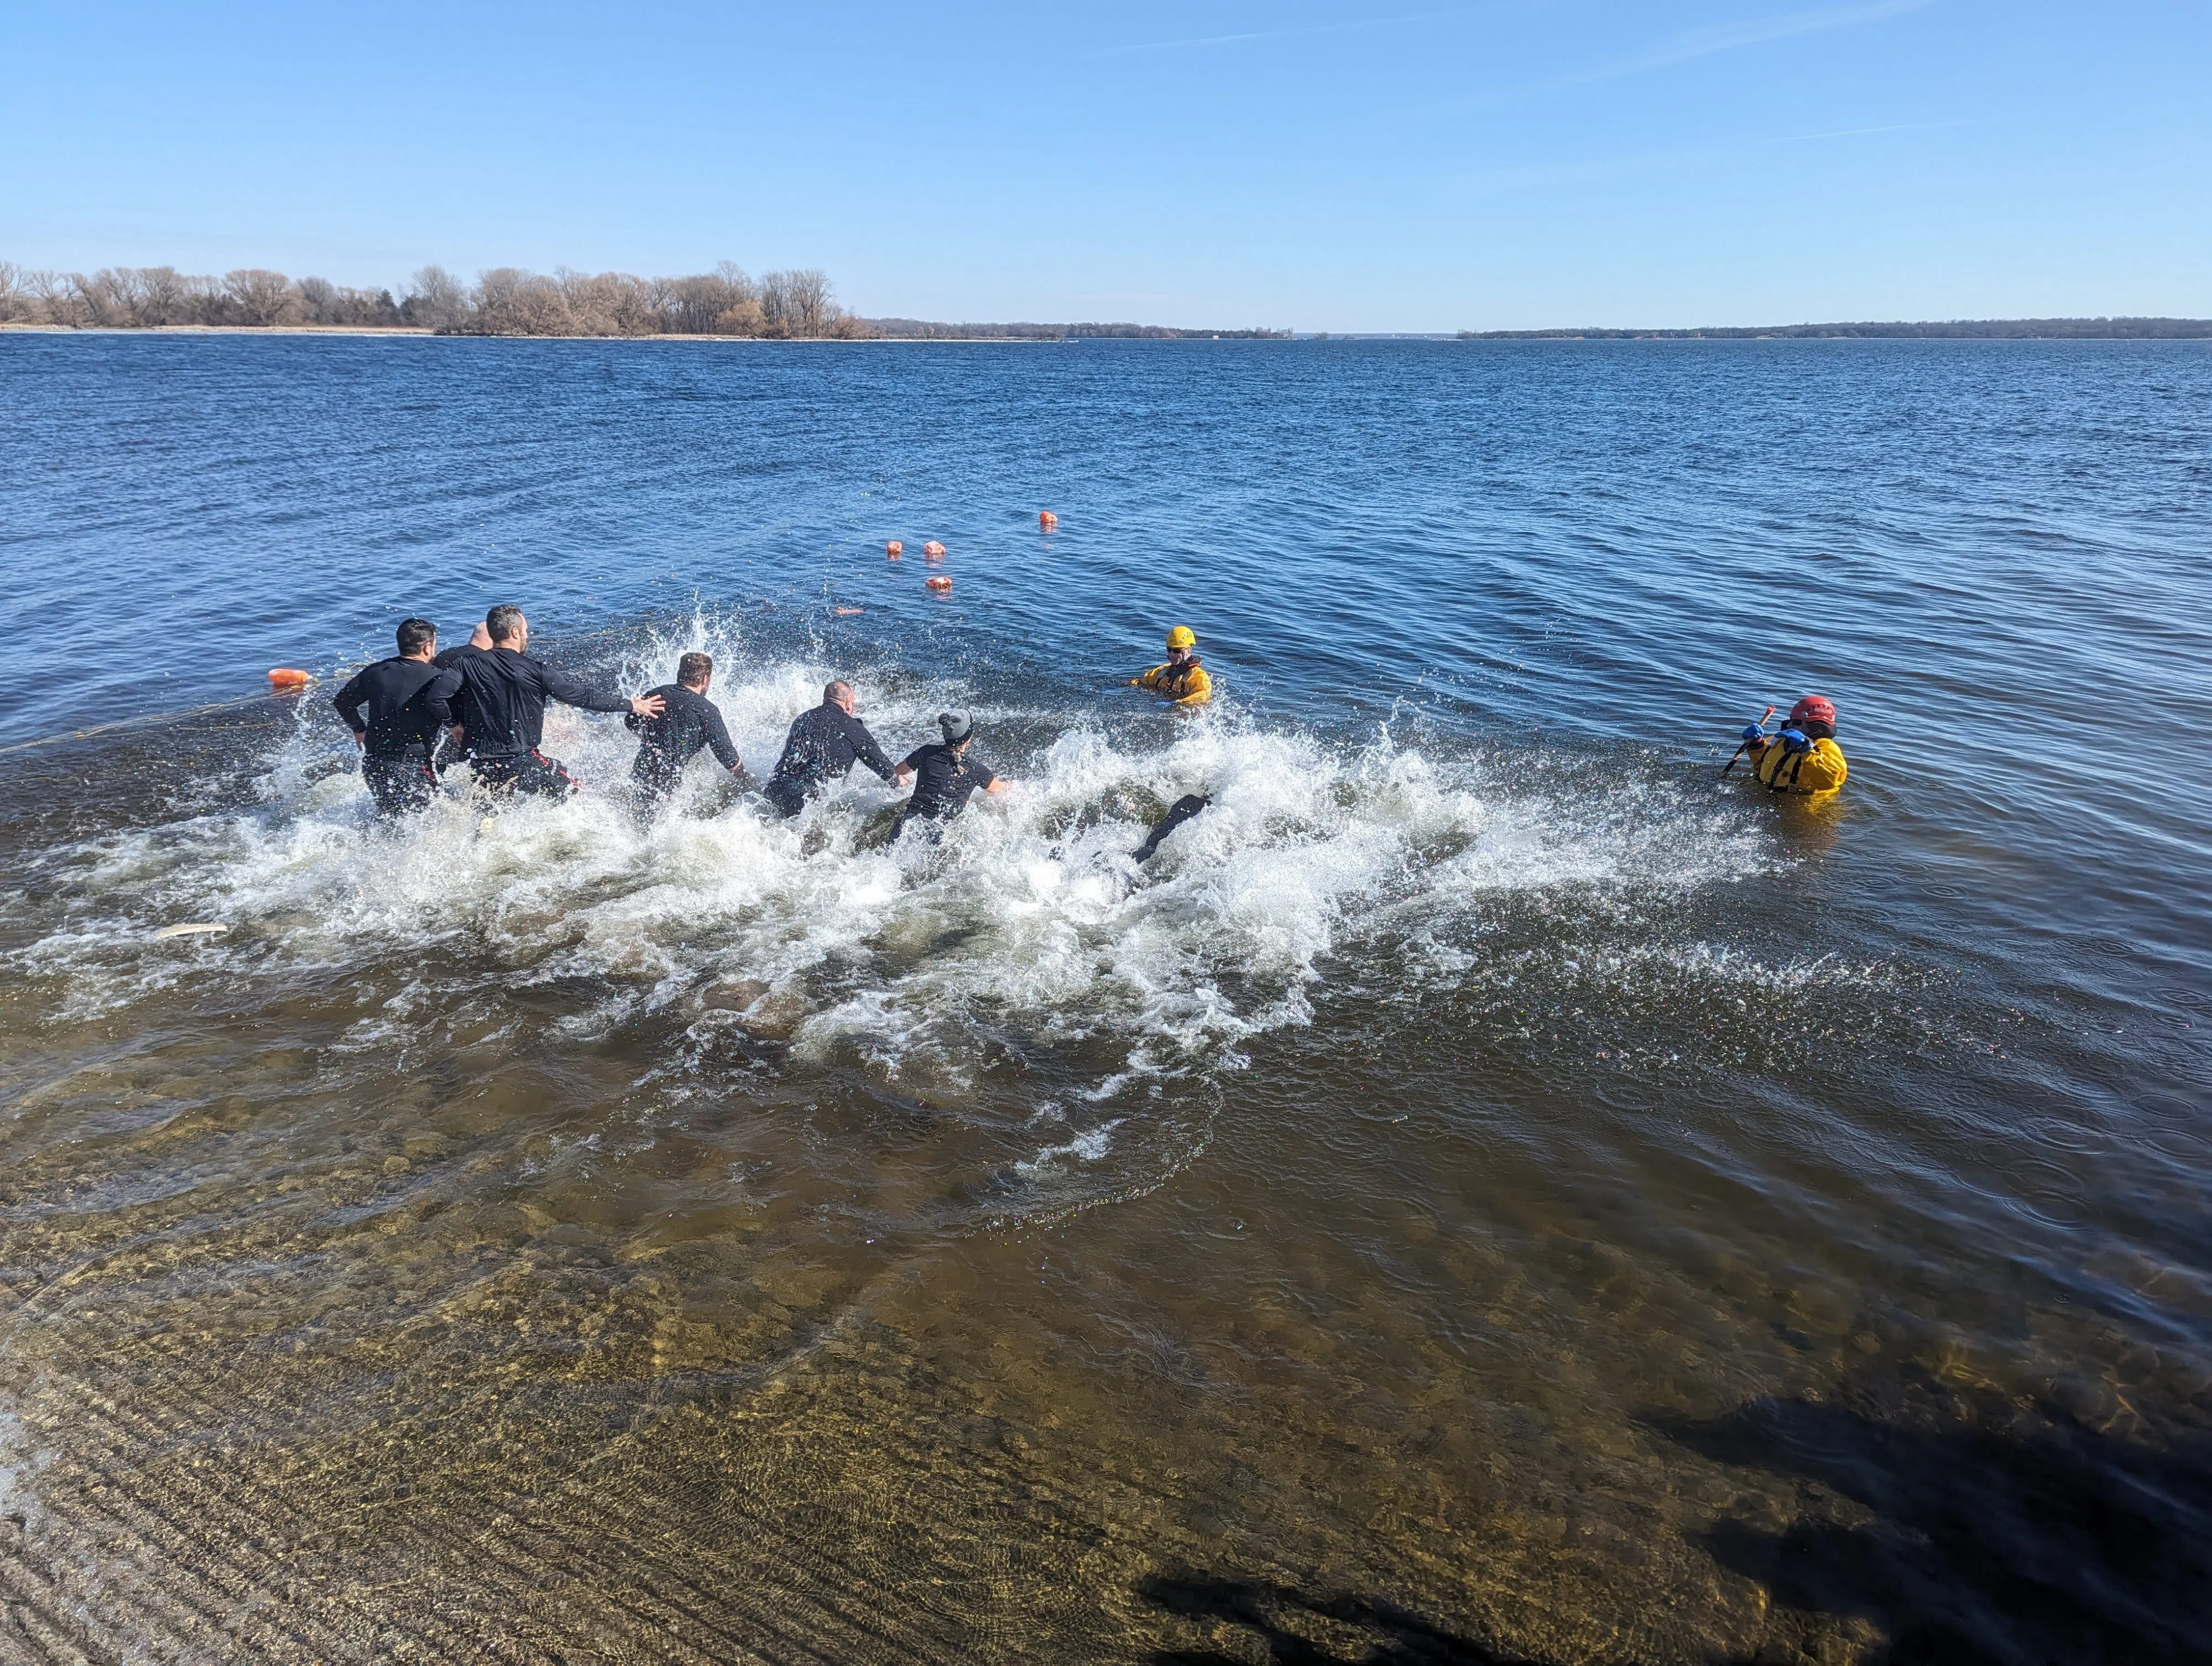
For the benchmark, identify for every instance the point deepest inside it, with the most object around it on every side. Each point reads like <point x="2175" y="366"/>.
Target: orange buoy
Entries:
<point x="938" y="582"/>
<point x="894" y="549"/>
<point x="933" y="550"/>
<point x="1046" y="520"/>
<point x="283" y="677"/>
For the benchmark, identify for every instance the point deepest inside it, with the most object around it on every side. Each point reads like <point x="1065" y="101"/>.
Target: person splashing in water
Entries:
<point x="822" y="747"/>
<point x="501" y="707"/>
<point x="689" y="721"/>
<point x="1803" y="759"/>
<point x="1181" y="679"/>
<point x="944" y="776"/>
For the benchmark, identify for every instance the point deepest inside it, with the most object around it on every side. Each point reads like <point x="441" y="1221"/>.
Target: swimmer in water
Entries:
<point x="688" y="722"/>
<point x="944" y="777"/>
<point x="1181" y="679"/>
<point x="406" y="700"/>
<point x="1804" y="759"/>
<point x="501" y="708"/>
<point x="822" y="746"/>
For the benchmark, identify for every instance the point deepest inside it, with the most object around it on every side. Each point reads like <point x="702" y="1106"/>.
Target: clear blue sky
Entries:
<point x="1325" y="166"/>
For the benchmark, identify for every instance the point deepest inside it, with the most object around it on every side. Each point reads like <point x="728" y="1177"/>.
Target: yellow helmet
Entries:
<point x="1181" y="636"/>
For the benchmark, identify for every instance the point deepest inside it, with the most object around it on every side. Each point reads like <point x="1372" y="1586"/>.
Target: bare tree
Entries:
<point x="437" y="300"/>
<point x="798" y="303"/>
<point x="262" y="298"/>
<point x="506" y="301"/>
<point x="510" y="301"/>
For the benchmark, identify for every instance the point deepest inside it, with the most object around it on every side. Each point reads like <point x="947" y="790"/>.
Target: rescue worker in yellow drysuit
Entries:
<point x="1803" y="761"/>
<point x="1182" y="679"/>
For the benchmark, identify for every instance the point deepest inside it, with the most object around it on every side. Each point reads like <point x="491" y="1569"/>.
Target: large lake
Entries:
<point x="1491" y="1189"/>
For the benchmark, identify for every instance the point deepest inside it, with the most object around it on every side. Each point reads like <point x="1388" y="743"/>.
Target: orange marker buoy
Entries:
<point x="894" y="549"/>
<point x="1046" y="520"/>
<point x="283" y="677"/>
<point x="933" y="550"/>
<point x="938" y="582"/>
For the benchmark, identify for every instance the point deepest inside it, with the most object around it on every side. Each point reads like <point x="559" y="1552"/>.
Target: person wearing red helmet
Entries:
<point x="1803" y="760"/>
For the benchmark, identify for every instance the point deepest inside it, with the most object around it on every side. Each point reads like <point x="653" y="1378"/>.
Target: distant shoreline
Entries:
<point x="2021" y="329"/>
<point x="2119" y="329"/>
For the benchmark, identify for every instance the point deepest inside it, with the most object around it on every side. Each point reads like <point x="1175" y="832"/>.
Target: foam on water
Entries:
<point x="1028" y="938"/>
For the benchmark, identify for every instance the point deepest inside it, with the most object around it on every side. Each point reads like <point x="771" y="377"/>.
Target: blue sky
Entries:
<point x="1327" y="166"/>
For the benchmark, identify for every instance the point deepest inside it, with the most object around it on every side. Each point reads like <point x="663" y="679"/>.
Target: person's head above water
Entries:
<point x="1181" y="641"/>
<point x="839" y="693"/>
<point x="696" y="670"/>
<point x="1815" y="717"/>
<point x="418" y="639"/>
<point x="959" y="728"/>
<point x="506" y="627"/>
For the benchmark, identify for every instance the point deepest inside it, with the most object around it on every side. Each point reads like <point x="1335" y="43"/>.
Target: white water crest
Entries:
<point x="1029" y="938"/>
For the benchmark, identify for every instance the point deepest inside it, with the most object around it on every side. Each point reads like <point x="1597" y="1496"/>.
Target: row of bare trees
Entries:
<point x="504" y="301"/>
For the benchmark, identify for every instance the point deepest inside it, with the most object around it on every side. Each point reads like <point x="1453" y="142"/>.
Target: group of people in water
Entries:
<point x="423" y="710"/>
<point x="484" y="702"/>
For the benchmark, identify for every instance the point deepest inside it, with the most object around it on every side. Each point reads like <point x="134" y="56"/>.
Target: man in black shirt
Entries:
<point x="406" y="698"/>
<point x="822" y="746"/>
<point x="501" y="707"/>
<point x="943" y="776"/>
<point x="688" y="722"/>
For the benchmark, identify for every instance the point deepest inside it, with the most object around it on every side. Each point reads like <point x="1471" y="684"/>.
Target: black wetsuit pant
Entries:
<point x="529" y="772"/>
<point x="788" y="793"/>
<point x="401" y="783"/>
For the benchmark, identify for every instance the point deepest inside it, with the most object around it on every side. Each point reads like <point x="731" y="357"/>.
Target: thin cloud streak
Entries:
<point x="1285" y="34"/>
<point x="1700" y="43"/>
<point x="1757" y="32"/>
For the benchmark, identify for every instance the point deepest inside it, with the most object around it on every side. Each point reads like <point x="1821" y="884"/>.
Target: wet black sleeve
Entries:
<point x="718" y="737"/>
<point x="437" y="697"/>
<point x="348" y="702"/>
<point x="865" y="747"/>
<point x="574" y="691"/>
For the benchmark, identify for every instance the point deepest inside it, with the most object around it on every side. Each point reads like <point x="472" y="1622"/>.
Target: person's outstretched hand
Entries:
<point x="648" y="705"/>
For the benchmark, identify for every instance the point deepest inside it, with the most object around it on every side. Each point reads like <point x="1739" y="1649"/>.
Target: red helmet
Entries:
<point x="1813" y="708"/>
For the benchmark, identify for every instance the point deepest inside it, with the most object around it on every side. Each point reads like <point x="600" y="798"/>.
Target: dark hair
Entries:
<point x="695" y="668"/>
<point x="415" y="634"/>
<point x="502" y="621"/>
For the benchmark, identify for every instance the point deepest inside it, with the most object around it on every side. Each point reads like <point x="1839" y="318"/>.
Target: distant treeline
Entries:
<point x="914" y="329"/>
<point x="2017" y="329"/>
<point x="505" y="301"/>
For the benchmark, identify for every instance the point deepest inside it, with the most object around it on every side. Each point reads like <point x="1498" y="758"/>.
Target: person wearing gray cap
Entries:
<point x="943" y="776"/>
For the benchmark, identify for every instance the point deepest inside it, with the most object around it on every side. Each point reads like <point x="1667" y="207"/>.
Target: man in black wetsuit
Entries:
<point x="450" y="751"/>
<point x="688" y="722"/>
<point x="822" y="746"/>
<point x="501" y="708"/>
<point x="406" y="698"/>
<point x="944" y="777"/>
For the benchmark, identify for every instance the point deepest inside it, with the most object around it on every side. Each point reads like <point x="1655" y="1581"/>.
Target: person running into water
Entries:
<point x="501" y="708"/>
<point x="406" y="698"/>
<point x="944" y="777"/>
<point x="822" y="746"/>
<point x="1804" y="758"/>
<point x="688" y="722"/>
<point x="1181" y="679"/>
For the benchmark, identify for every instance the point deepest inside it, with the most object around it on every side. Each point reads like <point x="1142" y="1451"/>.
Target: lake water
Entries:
<point x="1490" y="1190"/>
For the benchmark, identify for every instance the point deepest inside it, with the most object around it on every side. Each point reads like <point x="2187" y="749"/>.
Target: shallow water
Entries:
<point x="1487" y="1190"/>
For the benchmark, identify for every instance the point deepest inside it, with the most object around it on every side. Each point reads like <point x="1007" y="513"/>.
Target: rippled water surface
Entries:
<point x="1489" y="1190"/>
